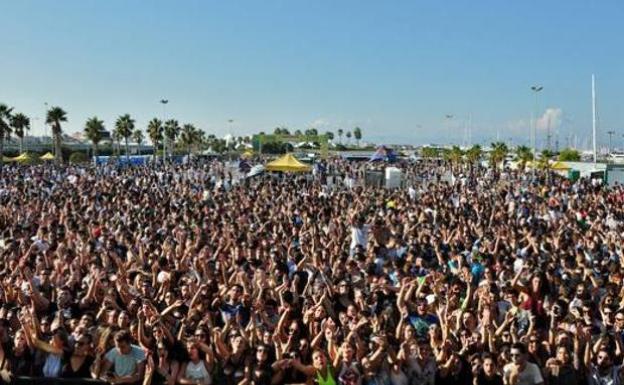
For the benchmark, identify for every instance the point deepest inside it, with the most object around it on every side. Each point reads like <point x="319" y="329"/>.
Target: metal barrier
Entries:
<point x="21" y="380"/>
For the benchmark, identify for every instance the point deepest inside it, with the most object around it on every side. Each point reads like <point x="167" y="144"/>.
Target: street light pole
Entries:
<point x="610" y="133"/>
<point x="535" y="89"/>
<point x="45" y="121"/>
<point x="164" y="103"/>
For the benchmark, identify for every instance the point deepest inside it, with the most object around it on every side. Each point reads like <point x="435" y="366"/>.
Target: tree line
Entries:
<point x="498" y="152"/>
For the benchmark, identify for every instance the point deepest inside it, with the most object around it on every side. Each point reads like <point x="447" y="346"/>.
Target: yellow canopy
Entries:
<point x="561" y="166"/>
<point x="47" y="156"/>
<point x="247" y="154"/>
<point x="23" y="157"/>
<point x="287" y="163"/>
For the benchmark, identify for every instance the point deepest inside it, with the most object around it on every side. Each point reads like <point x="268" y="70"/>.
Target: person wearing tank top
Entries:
<point x="196" y="370"/>
<point x="320" y="372"/>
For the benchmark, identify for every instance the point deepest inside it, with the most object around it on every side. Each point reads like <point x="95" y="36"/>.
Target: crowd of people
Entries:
<point x="180" y="274"/>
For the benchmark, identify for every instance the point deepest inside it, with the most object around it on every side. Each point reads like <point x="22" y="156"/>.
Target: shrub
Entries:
<point x="78" y="157"/>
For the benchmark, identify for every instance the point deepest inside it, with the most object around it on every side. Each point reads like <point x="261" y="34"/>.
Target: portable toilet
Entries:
<point x="574" y="175"/>
<point x="393" y="177"/>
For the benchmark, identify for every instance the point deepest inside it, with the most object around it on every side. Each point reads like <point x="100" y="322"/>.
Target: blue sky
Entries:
<point x="394" y="68"/>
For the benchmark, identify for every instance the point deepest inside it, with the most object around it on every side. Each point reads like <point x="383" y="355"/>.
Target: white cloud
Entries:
<point x="552" y="118"/>
<point x="517" y="127"/>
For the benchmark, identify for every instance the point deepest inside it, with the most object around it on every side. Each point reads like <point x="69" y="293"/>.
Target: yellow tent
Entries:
<point x="23" y="157"/>
<point x="560" y="166"/>
<point x="47" y="156"/>
<point x="247" y="154"/>
<point x="287" y="163"/>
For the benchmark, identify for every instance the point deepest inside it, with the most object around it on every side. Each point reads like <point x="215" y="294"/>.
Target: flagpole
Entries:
<point x="594" y="116"/>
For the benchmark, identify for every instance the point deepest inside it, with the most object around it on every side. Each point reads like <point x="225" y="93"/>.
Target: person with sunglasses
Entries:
<point x="520" y="371"/>
<point x="80" y="362"/>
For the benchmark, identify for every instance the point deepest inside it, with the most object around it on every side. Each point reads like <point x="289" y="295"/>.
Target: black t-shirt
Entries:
<point x="483" y="380"/>
<point x="463" y="377"/>
<point x="84" y="371"/>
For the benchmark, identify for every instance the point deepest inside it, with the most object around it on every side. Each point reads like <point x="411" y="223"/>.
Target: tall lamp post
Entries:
<point x="536" y="89"/>
<point x="610" y="133"/>
<point x="164" y="104"/>
<point x="45" y="121"/>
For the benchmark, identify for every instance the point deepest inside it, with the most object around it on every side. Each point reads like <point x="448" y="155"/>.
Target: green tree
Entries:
<point x="5" y="127"/>
<point x="20" y="123"/>
<point x="474" y="153"/>
<point x="498" y="153"/>
<point x="429" y="152"/>
<point x="171" y="131"/>
<point x="280" y="131"/>
<point x="569" y="155"/>
<point x="329" y="135"/>
<point x="340" y="132"/>
<point x="94" y="130"/>
<point x="357" y="134"/>
<point x="348" y="135"/>
<point x="116" y="142"/>
<point x="311" y="132"/>
<point x="298" y="133"/>
<point x="456" y="156"/>
<point x="544" y="160"/>
<point x="155" y="133"/>
<point x="189" y="136"/>
<point x="56" y="116"/>
<point x="124" y="126"/>
<point x="137" y="136"/>
<point x="524" y="155"/>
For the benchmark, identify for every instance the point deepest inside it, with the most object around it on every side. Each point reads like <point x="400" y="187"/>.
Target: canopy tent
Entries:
<point x="47" y="156"/>
<point x="247" y="154"/>
<point x="560" y="166"/>
<point x="22" y="158"/>
<point x="288" y="163"/>
<point x="255" y="170"/>
<point x="383" y="153"/>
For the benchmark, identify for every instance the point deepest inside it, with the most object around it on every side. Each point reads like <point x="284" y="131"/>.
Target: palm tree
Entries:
<point x="55" y="116"/>
<point x="94" y="129"/>
<point x="498" y="153"/>
<point x="524" y="155"/>
<point x="429" y="152"/>
<point x="297" y="133"/>
<point x="329" y="135"/>
<point x="124" y="127"/>
<point x="340" y="132"/>
<point x="348" y="135"/>
<point x="474" y="154"/>
<point x="171" y="130"/>
<point x="20" y="123"/>
<point x="357" y="134"/>
<point x="456" y="155"/>
<point x="116" y="141"/>
<point x="137" y="136"/>
<point x="544" y="159"/>
<point x="189" y="136"/>
<point x="311" y="132"/>
<point x="155" y="133"/>
<point x="5" y="127"/>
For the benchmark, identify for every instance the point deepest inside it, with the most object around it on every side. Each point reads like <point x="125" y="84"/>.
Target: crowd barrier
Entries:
<point x="55" y="381"/>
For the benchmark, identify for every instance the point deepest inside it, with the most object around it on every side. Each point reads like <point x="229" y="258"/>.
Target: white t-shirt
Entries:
<point x="359" y="236"/>
<point x="531" y="374"/>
